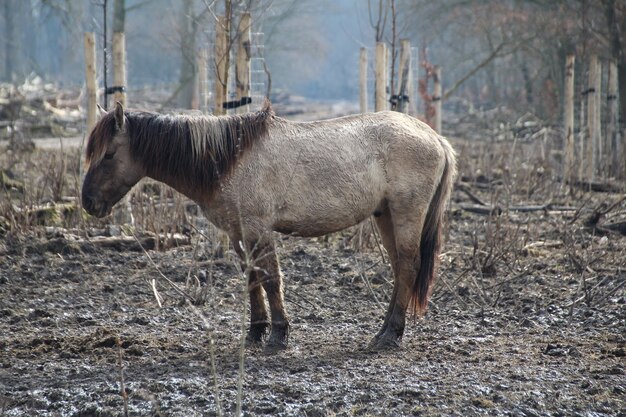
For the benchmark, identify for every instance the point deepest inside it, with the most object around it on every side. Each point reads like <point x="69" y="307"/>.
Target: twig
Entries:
<point x="481" y="292"/>
<point x="169" y="281"/>
<point x="157" y="296"/>
<point x="610" y="293"/>
<point x="375" y="232"/>
<point x="442" y="279"/>
<point x="205" y="322"/>
<point x="371" y="290"/>
<point x="513" y="278"/>
<point x="244" y="273"/>
<point x="579" y="211"/>
<point x="366" y="280"/>
<point x="294" y="292"/>
<point x="123" y="392"/>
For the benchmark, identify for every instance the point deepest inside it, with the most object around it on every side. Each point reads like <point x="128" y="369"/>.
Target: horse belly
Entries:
<point x="316" y="209"/>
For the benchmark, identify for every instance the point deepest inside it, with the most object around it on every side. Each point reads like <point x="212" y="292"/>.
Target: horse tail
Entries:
<point x="430" y="243"/>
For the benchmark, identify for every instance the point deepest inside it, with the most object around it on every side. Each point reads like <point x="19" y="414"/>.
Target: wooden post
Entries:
<point x="600" y="164"/>
<point x="612" y="128"/>
<point x="221" y="65"/>
<point x="90" y="79"/>
<point x="381" y="77"/>
<point x="119" y="67"/>
<point x="568" y="119"/>
<point x="437" y="99"/>
<point x="593" y="123"/>
<point x="404" y="71"/>
<point x="203" y="89"/>
<point x="242" y="66"/>
<point x="363" y="80"/>
<point x="582" y="134"/>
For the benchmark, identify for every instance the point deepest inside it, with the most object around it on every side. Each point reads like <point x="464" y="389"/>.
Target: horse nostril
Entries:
<point x="88" y="202"/>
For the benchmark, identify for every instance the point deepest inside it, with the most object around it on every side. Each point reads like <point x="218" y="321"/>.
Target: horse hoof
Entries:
<point x="276" y="342"/>
<point x="275" y="346"/>
<point x="252" y="343"/>
<point x="384" y="342"/>
<point x="279" y="337"/>
<point x="257" y="334"/>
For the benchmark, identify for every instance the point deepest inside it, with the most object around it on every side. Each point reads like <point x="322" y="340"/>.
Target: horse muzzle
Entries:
<point x="95" y="207"/>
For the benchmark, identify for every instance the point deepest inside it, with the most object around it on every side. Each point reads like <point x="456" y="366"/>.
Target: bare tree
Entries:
<point x="615" y="13"/>
<point x="10" y="49"/>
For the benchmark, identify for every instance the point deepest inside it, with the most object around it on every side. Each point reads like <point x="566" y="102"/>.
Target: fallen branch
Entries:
<point x="483" y="210"/>
<point x="593" y="220"/>
<point x="496" y="210"/>
<point x="8" y="183"/>
<point x="137" y="244"/>
<point x="466" y="189"/>
<point x="615" y="227"/>
<point x="600" y="187"/>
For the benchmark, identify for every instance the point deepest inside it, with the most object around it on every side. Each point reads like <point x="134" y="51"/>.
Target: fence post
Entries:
<point x="90" y="79"/>
<point x="242" y="66"/>
<point x="221" y="65"/>
<point x="203" y="57"/>
<point x="119" y="67"/>
<point x="568" y="117"/>
<point x="612" y="128"/>
<point x="381" y="77"/>
<point x="437" y="99"/>
<point x="582" y="134"/>
<point x="593" y="122"/>
<point x="363" y="80"/>
<point x="600" y="167"/>
<point x="405" y="78"/>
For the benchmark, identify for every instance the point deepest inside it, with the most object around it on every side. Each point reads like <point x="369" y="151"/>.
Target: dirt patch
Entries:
<point x="499" y="344"/>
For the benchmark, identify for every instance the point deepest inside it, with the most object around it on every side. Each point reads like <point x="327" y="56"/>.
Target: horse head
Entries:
<point x="112" y="170"/>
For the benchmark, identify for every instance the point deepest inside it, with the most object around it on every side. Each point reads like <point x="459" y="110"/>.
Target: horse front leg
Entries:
<point x="266" y="261"/>
<point x="259" y="319"/>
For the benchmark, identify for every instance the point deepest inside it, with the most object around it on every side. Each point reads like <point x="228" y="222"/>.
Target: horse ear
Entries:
<point x="101" y="112"/>
<point x="119" y="116"/>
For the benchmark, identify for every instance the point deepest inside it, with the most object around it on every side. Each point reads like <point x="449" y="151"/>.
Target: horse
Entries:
<point x="256" y="173"/>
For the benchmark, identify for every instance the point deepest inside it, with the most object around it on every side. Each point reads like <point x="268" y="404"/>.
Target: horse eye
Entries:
<point x="109" y="155"/>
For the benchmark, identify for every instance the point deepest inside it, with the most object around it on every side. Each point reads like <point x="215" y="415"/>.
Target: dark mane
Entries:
<point x="196" y="150"/>
<point x="99" y="138"/>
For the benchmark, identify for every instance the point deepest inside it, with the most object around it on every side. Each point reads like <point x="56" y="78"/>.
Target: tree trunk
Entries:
<point x="621" y="76"/>
<point x="10" y="51"/>
<point x="119" y="16"/>
<point x="187" y="57"/>
<point x="118" y="44"/>
<point x="243" y="62"/>
<point x="221" y="56"/>
<point x="617" y="30"/>
<point x="568" y="117"/>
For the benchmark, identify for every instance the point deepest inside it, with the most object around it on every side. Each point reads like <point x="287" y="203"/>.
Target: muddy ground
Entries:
<point x="528" y="316"/>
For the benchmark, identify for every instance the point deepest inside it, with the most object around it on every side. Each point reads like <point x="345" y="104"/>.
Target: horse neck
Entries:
<point x="193" y="154"/>
<point x="163" y="145"/>
<point x="179" y="185"/>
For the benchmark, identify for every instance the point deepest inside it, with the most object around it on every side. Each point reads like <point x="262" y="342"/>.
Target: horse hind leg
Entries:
<point x="385" y="227"/>
<point x="403" y="236"/>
